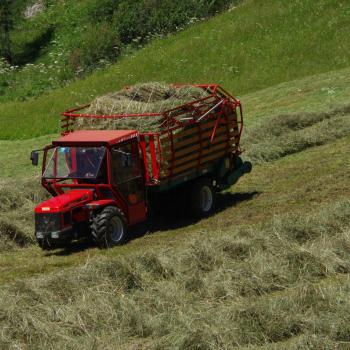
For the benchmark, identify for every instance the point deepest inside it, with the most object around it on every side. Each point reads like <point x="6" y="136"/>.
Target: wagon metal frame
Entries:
<point x="183" y="130"/>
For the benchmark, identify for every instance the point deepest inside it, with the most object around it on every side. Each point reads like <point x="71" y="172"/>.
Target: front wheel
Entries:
<point x="203" y="197"/>
<point x="109" y="227"/>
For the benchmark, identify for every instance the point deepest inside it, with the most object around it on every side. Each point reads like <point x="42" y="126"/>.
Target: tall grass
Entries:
<point x="245" y="49"/>
<point x="257" y="286"/>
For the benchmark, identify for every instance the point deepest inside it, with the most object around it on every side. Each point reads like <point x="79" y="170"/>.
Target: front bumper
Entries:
<point x="60" y="235"/>
<point x="49" y="226"/>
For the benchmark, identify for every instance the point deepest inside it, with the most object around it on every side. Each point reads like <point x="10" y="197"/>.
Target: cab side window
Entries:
<point x="127" y="171"/>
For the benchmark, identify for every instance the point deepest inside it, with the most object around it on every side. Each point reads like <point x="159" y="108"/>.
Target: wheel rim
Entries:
<point x="206" y="199"/>
<point x="116" y="229"/>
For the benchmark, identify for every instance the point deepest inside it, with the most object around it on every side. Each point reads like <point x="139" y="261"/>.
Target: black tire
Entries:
<point x="109" y="227"/>
<point x="202" y="197"/>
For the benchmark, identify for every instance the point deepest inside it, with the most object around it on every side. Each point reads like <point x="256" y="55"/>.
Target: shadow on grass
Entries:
<point x="171" y="217"/>
<point x="174" y="217"/>
<point x="73" y="247"/>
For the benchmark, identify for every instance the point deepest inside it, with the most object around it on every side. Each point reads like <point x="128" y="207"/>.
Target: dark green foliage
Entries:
<point x="34" y="46"/>
<point x="97" y="43"/>
<point x="67" y="40"/>
<point x="139" y="20"/>
<point x="6" y="23"/>
<point x="112" y="23"/>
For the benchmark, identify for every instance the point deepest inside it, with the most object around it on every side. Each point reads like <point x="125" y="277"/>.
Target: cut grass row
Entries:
<point x="245" y="50"/>
<point x="276" y="137"/>
<point x="221" y="290"/>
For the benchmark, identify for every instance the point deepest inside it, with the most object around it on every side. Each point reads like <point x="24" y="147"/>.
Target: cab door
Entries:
<point x="127" y="177"/>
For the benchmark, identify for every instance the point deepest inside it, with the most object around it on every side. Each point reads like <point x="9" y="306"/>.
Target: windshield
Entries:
<point x="75" y="163"/>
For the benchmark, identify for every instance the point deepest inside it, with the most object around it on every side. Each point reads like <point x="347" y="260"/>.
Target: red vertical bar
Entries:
<point x="215" y="127"/>
<point x="74" y="160"/>
<point x="55" y="160"/>
<point x="241" y="119"/>
<point x="172" y="152"/>
<point x="229" y="146"/>
<point x="109" y="163"/>
<point x="153" y="157"/>
<point x="199" y="126"/>
<point x="144" y="156"/>
<point x="160" y="155"/>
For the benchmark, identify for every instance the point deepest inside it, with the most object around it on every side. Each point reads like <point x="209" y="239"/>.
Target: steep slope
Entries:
<point x="269" y="270"/>
<point x="256" y="45"/>
<point x="279" y="241"/>
<point x="293" y="182"/>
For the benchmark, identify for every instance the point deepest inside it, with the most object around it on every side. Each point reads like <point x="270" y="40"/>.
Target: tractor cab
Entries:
<point x="87" y="171"/>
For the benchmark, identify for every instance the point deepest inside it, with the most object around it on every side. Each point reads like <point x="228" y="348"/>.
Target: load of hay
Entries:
<point x="140" y="98"/>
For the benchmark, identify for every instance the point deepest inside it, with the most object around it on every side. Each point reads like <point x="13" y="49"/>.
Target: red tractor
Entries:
<point x="104" y="181"/>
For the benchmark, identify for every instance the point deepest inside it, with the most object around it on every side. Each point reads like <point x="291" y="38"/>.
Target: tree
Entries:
<point x="5" y="28"/>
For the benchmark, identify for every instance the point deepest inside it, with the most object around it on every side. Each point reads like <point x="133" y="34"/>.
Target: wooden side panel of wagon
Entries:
<point x="199" y="144"/>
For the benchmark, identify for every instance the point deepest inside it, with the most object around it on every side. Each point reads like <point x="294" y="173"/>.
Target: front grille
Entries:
<point x="47" y="223"/>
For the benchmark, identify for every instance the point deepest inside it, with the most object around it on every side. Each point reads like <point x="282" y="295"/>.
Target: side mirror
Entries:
<point x="34" y="157"/>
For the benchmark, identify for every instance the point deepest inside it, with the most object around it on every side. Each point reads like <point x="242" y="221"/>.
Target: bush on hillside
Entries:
<point x="142" y="19"/>
<point x="114" y="24"/>
<point x="73" y="38"/>
<point x="99" y="43"/>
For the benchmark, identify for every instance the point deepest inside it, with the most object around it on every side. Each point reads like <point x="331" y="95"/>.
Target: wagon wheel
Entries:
<point x="202" y="198"/>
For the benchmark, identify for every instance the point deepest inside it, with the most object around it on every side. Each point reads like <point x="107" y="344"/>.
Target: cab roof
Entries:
<point x="95" y="137"/>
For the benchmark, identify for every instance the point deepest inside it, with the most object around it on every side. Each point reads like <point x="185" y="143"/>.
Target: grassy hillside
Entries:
<point x="256" y="45"/>
<point x="52" y="42"/>
<point x="301" y="180"/>
<point x="269" y="269"/>
<point x="228" y="290"/>
<point x="278" y="242"/>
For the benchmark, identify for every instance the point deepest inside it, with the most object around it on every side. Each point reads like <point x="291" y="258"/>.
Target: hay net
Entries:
<point x="145" y="98"/>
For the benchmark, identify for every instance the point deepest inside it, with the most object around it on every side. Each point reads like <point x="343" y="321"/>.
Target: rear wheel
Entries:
<point x="109" y="227"/>
<point x="203" y="197"/>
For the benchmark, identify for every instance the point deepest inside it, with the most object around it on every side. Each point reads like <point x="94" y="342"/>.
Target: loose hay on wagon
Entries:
<point x="182" y="127"/>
